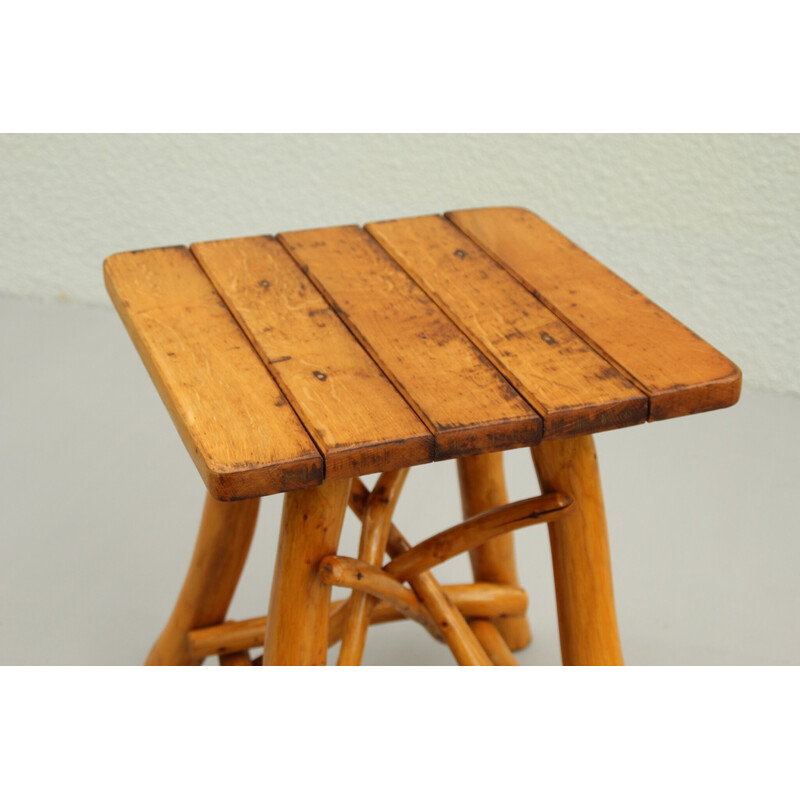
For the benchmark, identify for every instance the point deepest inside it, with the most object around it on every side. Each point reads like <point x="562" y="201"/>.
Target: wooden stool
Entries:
<point x="300" y="363"/>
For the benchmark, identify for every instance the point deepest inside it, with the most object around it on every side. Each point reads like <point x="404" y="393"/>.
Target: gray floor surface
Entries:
<point x="100" y="502"/>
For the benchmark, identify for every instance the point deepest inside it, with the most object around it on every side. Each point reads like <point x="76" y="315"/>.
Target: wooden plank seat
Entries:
<point x="300" y="362"/>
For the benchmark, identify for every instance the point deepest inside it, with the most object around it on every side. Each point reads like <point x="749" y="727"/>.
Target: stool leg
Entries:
<point x="299" y="605"/>
<point x="223" y="542"/>
<point x="587" y="618"/>
<point x="483" y="487"/>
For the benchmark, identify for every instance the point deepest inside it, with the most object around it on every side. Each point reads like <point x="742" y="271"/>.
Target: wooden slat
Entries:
<point x="680" y="372"/>
<point x="574" y="389"/>
<point x="357" y="418"/>
<point x="243" y="436"/>
<point x="468" y="405"/>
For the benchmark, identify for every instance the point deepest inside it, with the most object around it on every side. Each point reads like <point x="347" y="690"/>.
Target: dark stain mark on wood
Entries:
<point x="609" y="373"/>
<point x="359" y="576"/>
<point x="265" y="284"/>
<point x="546" y="337"/>
<point x="508" y="391"/>
<point x="460" y="253"/>
<point x="278" y="360"/>
<point x="320" y="376"/>
<point x="309" y="473"/>
<point x="170" y="353"/>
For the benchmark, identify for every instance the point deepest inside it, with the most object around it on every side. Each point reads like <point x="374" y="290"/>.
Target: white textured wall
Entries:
<point x="705" y="225"/>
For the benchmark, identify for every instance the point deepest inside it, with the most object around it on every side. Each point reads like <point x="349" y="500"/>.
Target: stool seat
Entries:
<point x="300" y="362"/>
<point x="338" y="352"/>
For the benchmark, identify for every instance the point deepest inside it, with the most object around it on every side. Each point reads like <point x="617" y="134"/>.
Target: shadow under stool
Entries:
<point x="303" y="362"/>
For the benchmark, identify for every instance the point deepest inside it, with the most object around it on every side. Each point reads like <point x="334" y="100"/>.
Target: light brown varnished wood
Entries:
<point x="416" y="345"/>
<point x="426" y="339"/>
<point x="477" y="530"/>
<point x="240" y="659"/>
<point x="206" y="371"/>
<point x="487" y="599"/>
<point x="455" y="630"/>
<point x="223" y="541"/>
<point x="493" y="643"/>
<point x="483" y="487"/>
<point x="357" y="418"/>
<point x="352" y="573"/>
<point x="680" y="372"/>
<point x="297" y="623"/>
<point x="484" y="600"/>
<point x="587" y="618"/>
<point x="227" y="637"/>
<point x="376" y="520"/>
<point x="573" y="388"/>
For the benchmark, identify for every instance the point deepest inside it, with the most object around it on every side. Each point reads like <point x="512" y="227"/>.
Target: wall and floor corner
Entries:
<point x="100" y="500"/>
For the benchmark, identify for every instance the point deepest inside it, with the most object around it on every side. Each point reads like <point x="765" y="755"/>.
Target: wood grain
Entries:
<point x="493" y="643"/>
<point x="483" y="487"/>
<point x="352" y="573"/>
<point x="240" y="659"/>
<point x="358" y="420"/>
<point x="587" y="618"/>
<point x="466" y="403"/>
<point x="474" y="531"/>
<point x="484" y="600"/>
<point x="227" y="637"/>
<point x="297" y="623"/>
<point x="206" y="372"/>
<point x="451" y="622"/>
<point x="573" y="388"/>
<point x="680" y="373"/>
<point x="220" y="552"/>
<point x="376" y="521"/>
<point x="453" y="625"/>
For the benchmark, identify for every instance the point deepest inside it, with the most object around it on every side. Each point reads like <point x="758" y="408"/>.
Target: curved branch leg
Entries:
<point x="587" y="619"/>
<point x="493" y="643"/>
<point x="299" y="606"/>
<point x="226" y="530"/>
<point x="371" y="549"/>
<point x="475" y="531"/>
<point x="362" y="577"/>
<point x="240" y="659"/>
<point x="455" y="630"/>
<point x="483" y="487"/>
<point x="480" y="600"/>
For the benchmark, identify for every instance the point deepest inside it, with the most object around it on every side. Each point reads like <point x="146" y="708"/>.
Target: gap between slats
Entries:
<point x="374" y="355"/>
<point x="271" y="374"/>
<point x="527" y="392"/>
<point x="327" y="449"/>
<point x="590" y="342"/>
